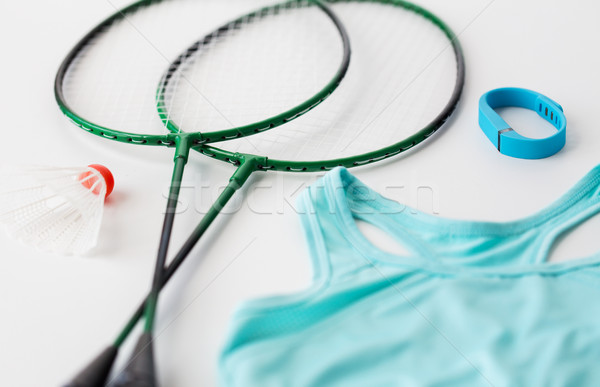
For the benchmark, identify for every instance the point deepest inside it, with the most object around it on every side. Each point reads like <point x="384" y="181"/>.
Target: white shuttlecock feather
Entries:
<point x="55" y="209"/>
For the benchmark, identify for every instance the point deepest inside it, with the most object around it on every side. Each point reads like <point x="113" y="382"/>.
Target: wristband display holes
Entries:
<point x="553" y="118"/>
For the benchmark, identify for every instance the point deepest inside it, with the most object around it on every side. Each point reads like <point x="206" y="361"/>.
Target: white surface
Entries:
<point x="57" y="312"/>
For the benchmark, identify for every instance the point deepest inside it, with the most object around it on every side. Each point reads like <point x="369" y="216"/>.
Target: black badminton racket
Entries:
<point x="256" y="72"/>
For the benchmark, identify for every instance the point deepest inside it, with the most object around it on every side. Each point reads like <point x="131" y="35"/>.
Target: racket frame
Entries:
<point x="183" y="143"/>
<point x="197" y="138"/>
<point x="376" y="155"/>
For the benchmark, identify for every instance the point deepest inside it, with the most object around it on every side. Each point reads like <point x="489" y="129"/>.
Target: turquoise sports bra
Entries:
<point x="470" y="304"/>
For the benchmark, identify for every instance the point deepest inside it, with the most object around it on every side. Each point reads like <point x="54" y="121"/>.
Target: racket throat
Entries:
<point x="183" y="142"/>
<point x="246" y="165"/>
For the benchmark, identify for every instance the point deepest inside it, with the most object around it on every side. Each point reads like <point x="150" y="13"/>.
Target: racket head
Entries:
<point x="388" y="102"/>
<point x="107" y="83"/>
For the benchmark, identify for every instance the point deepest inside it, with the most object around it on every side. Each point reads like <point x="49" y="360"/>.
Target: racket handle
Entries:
<point x="140" y="370"/>
<point x="96" y="372"/>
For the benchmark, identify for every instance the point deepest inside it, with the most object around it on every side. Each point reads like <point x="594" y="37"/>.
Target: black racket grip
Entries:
<point x="140" y="371"/>
<point x="96" y="373"/>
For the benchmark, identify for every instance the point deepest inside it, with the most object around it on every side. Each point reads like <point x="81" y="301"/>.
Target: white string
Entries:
<point x="250" y="74"/>
<point x="263" y="69"/>
<point x="402" y="74"/>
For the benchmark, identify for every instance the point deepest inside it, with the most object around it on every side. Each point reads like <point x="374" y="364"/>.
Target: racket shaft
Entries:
<point x="236" y="182"/>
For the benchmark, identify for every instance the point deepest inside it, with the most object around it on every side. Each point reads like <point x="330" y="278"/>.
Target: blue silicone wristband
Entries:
<point x="511" y="143"/>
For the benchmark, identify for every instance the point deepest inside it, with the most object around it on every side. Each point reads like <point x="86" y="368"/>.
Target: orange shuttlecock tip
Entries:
<point x="88" y="179"/>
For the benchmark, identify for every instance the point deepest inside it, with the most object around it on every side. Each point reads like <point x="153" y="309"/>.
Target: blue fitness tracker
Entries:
<point x="511" y="143"/>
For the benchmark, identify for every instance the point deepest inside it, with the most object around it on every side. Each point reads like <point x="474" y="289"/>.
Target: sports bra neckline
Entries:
<point x="340" y="180"/>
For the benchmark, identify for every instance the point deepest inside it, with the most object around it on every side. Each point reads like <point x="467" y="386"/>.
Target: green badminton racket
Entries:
<point x="250" y="75"/>
<point x="405" y="80"/>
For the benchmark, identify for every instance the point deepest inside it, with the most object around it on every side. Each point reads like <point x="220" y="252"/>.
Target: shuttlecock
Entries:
<point x="55" y="209"/>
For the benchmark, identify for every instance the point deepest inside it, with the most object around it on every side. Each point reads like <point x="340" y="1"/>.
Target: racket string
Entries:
<point x="112" y="81"/>
<point x="267" y="85"/>
<point x="395" y="86"/>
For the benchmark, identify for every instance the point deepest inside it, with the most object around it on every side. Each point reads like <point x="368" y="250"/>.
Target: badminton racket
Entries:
<point x="258" y="71"/>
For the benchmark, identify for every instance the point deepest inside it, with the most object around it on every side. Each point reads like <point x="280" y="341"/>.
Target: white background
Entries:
<point x="58" y="312"/>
